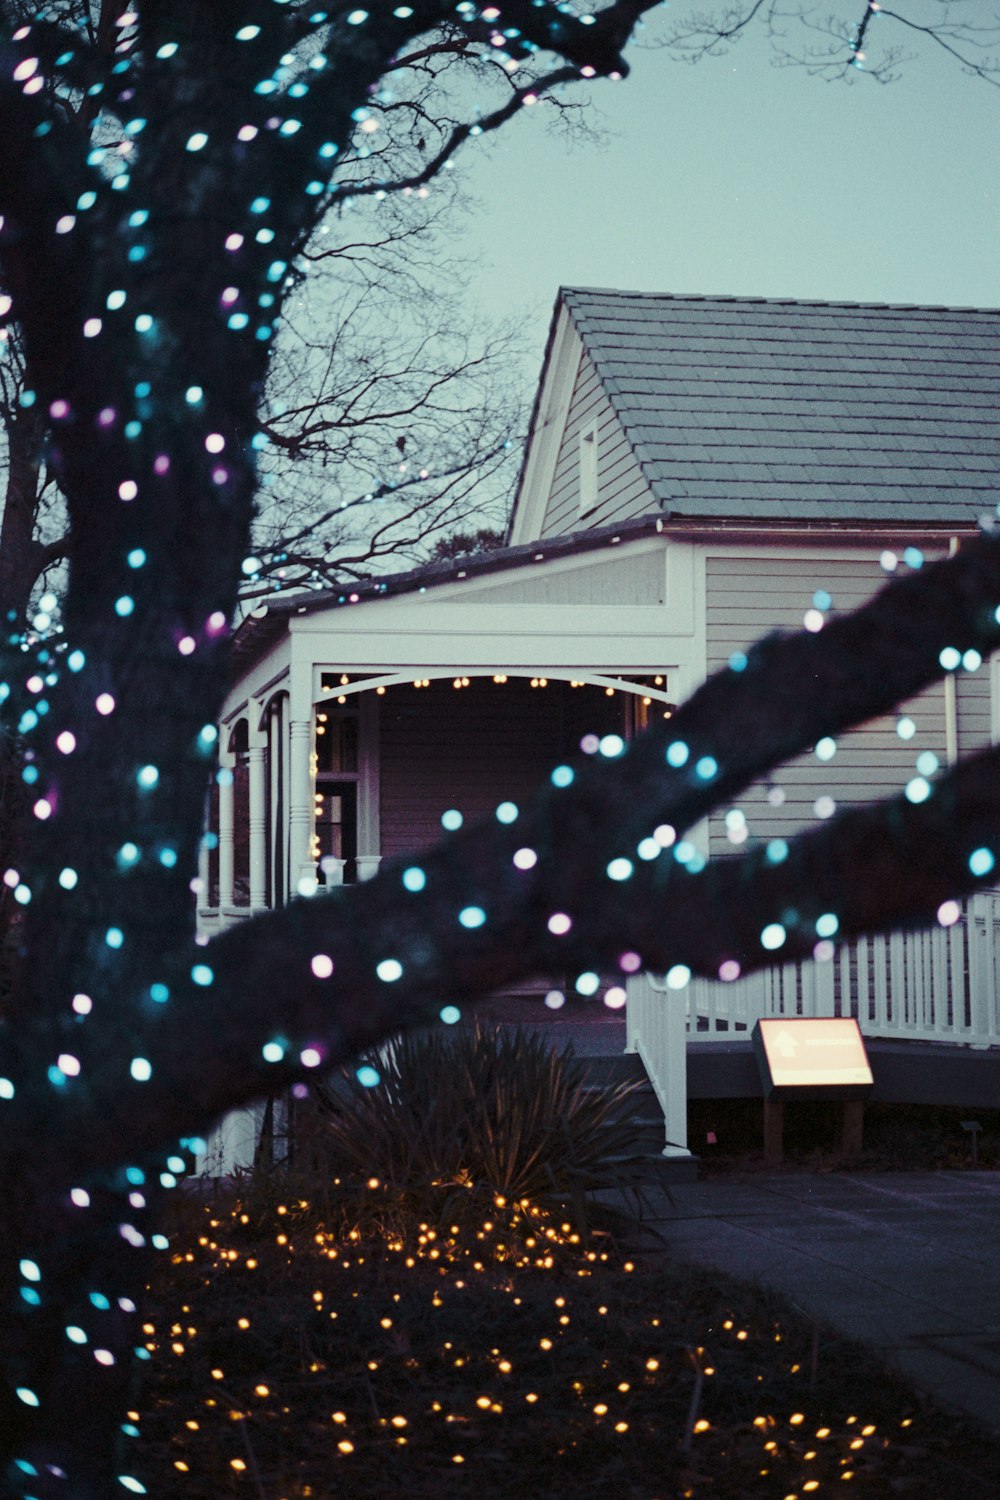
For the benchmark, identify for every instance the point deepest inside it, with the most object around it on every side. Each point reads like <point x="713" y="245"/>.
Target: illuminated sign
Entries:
<point x="822" y="1055"/>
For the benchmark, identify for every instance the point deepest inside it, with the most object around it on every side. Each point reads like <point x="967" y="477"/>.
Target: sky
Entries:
<point x="738" y="177"/>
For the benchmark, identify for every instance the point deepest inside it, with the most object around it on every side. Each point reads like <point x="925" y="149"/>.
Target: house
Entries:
<point x="699" y="470"/>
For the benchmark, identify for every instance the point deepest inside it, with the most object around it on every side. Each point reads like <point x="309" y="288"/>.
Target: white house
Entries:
<point x="699" y="470"/>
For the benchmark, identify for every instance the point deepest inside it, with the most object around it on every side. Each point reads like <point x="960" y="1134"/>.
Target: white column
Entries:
<point x="675" y="1075"/>
<point x="299" y="804"/>
<point x="369" y="829"/>
<point x="258" y="824"/>
<point x="657" y="1029"/>
<point x="225" y="779"/>
<point x="206" y="922"/>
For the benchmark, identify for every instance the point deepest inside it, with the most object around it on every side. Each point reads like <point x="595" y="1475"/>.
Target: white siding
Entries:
<point x="621" y="488"/>
<point x="748" y="596"/>
<point x="635" y="577"/>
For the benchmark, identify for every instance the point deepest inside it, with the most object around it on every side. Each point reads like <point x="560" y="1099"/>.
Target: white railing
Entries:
<point x="936" y="986"/>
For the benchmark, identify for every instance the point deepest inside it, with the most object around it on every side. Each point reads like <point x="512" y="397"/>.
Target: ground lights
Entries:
<point x="408" y="1369"/>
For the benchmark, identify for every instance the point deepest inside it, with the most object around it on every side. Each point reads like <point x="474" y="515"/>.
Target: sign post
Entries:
<point x="821" y="1057"/>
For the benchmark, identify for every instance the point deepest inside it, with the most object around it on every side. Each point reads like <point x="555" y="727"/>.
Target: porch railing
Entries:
<point x="936" y="986"/>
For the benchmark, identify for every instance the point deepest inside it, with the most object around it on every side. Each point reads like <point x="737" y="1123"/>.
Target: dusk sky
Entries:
<point x="738" y="177"/>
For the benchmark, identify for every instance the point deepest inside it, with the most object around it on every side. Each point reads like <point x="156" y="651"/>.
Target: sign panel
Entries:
<point x="825" y="1052"/>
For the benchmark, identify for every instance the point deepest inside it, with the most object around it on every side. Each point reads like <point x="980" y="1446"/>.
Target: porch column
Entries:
<point x="225" y="780"/>
<point x="204" y="869"/>
<point x="369" y="829"/>
<point x="258" y="822"/>
<point x="301" y="870"/>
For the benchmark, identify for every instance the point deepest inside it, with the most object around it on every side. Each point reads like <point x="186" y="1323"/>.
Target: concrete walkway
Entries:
<point x="908" y="1263"/>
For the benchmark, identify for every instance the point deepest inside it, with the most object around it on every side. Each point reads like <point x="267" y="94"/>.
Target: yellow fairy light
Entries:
<point x="345" y="1446"/>
<point x="702" y="1425"/>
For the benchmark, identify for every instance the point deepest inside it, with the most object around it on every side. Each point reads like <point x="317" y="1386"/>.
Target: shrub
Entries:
<point x="465" y="1125"/>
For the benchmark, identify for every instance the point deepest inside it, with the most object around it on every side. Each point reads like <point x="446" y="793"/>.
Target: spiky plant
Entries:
<point x="477" y="1121"/>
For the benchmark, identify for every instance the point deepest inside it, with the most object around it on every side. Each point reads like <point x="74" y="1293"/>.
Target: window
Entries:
<point x="588" y="468"/>
<point x="335" y="824"/>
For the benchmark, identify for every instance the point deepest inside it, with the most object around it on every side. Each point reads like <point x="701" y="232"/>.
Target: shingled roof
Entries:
<point x="751" y="408"/>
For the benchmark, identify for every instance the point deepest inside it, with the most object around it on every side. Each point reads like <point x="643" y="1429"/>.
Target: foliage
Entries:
<point x="473" y="1124"/>
<point x="467" y="544"/>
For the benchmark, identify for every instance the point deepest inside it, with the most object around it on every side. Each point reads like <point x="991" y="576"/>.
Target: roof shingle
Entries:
<point x="748" y="408"/>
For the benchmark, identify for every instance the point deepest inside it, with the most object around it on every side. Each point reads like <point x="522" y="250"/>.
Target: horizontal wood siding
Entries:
<point x="635" y="578"/>
<point x="747" y="597"/>
<point x="622" y="490"/>
<point x="471" y="748"/>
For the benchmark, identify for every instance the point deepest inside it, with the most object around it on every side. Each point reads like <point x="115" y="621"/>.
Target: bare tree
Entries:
<point x="872" y="39"/>
<point x="146" y="287"/>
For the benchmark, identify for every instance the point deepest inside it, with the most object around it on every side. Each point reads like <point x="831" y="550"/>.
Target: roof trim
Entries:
<point x="269" y="621"/>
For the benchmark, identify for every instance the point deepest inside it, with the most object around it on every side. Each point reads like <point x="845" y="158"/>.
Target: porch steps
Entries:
<point x="644" y="1115"/>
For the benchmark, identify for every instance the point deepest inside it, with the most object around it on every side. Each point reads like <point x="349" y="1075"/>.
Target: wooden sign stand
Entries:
<point x="815" y="1057"/>
<point x="851" y="1129"/>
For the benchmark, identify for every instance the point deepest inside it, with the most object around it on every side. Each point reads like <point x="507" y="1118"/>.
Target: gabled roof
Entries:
<point x="756" y="409"/>
<point x="268" y="621"/>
